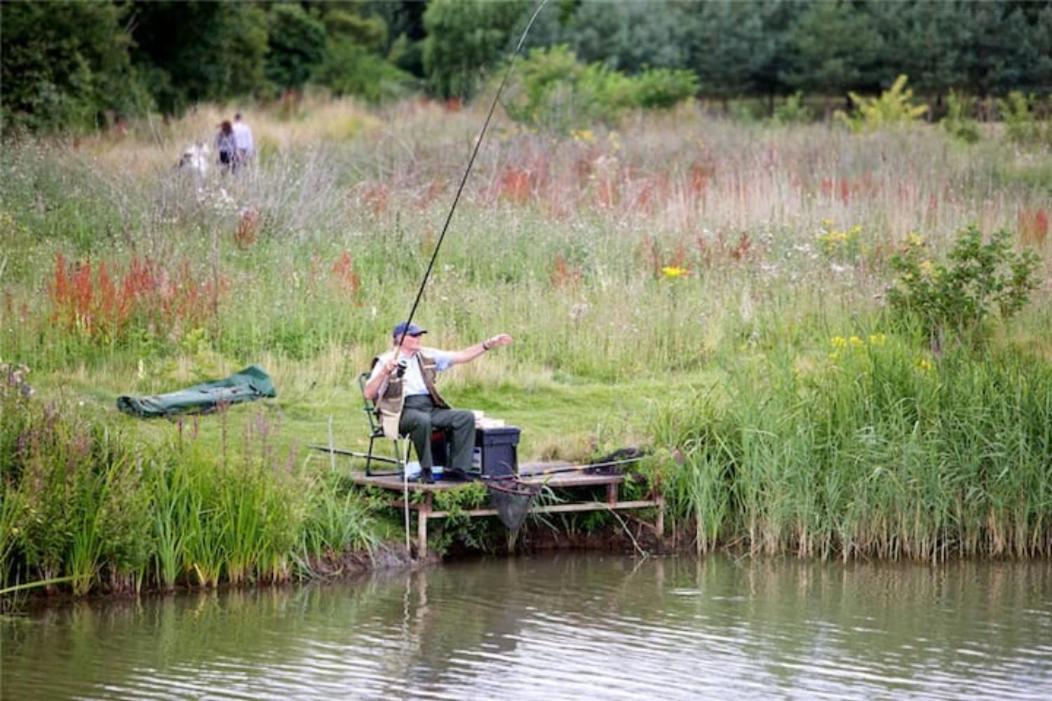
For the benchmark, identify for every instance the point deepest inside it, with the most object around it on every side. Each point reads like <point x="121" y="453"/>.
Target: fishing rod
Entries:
<point x="467" y="171"/>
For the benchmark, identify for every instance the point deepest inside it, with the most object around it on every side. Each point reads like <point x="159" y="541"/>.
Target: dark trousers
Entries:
<point x="420" y="416"/>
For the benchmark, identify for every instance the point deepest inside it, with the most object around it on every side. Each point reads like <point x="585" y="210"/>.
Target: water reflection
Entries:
<point x="564" y="627"/>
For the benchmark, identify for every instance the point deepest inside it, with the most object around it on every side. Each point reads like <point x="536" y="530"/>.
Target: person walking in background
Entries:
<point x="243" y="139"/>
<point x="226" y="146"/>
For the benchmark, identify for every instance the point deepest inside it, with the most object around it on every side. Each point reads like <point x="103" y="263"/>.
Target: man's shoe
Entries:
<point x="425" y="477"/>
<point x="455" y="473"/>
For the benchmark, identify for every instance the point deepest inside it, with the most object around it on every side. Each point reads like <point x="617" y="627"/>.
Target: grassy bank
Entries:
<point x="676" y="282"/>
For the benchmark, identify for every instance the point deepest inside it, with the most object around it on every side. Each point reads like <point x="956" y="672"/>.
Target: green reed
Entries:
<point x="83" y="502"/>
<point x="876" y="449"/>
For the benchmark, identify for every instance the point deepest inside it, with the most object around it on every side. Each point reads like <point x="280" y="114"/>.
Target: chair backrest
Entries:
<point x="371" y="412"/>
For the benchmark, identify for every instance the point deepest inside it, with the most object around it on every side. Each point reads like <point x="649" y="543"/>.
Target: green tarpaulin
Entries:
<point x="243" y="386"/>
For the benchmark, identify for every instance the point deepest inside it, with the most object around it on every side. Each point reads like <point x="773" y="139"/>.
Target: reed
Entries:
<point x="85" y="503"/>
<point x="874" y="451"/>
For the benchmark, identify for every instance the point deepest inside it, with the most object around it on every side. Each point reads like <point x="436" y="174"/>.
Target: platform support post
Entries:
<point x="422" y="514"/>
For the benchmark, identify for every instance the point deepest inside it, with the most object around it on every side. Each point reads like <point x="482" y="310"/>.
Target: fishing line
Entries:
<point x="467" y="171"/>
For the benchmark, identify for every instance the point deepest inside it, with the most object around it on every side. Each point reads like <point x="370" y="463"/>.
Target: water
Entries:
<point x="562" y="627"/>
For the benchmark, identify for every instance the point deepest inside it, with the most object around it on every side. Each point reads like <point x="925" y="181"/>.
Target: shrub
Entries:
<point x="977" y="280"/>
<point x="664" y="88"/>
<point x="1021" y="124"/>
<point x="894" y="107"/>
<point x="349" y="69"/>
<point x="958" y="121"/>
<point x="793" y="110"/>
<point x="558" y="92"/>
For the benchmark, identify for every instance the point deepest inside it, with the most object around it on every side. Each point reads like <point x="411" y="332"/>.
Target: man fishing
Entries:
<point x="402" y="384"/>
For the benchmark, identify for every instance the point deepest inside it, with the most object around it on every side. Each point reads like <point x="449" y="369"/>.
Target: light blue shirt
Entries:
<point x="413" y="380"/>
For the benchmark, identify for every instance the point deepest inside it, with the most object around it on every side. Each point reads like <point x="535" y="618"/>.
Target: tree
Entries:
<point x="835" y="47"/>
<point x="464" y="38"/>
<point x="296" y="46"/>
<point x="65" y="64"/>
<point x="1006" y="47"/>
<point x="405" y="32"/>
<point x="195" y="51"/>
<point x="631" y="35"/>
<point x="728" y="48"/>
<point x="925" y="41"/>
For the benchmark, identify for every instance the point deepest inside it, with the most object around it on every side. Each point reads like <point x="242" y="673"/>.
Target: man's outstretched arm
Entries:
<point x="471" y="352"/>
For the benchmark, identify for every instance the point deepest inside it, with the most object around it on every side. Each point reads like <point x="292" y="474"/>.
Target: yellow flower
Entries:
<point x="856" y="342"/>
<point x="583" y="135"/>
<point x="927" y="267"/>
<point x="834" y="356"/>
<point x="914" y="239"/>
<point x="838" y="342"/>
<point x="672" y="271"/>
<point x="877" y="339"/>
<point x="923" y="364"/>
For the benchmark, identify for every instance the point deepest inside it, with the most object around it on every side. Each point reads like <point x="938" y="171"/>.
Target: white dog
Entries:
<point x="196" y="159"/>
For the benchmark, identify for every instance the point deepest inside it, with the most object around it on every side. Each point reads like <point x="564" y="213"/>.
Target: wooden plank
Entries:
<point x="565" y="480"/>
<point x="558" y="508"/>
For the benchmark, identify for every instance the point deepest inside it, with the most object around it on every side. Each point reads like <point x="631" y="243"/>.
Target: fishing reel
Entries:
<point x="403" y="365"/>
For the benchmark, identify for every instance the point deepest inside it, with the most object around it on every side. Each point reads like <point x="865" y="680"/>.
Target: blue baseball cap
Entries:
<point x="407" y="329"/>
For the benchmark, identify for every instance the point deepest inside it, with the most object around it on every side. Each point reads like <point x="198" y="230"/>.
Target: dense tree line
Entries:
<point x="81" y="64"/>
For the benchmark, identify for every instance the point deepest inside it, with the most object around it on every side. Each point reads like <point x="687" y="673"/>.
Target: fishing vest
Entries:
<point x="392" y="399"/>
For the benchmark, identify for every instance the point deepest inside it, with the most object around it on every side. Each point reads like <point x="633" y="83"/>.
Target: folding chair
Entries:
<point x="376" y="430"/>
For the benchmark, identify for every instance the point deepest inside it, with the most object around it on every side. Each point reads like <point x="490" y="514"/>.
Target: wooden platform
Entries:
<point x="534" y="473"/>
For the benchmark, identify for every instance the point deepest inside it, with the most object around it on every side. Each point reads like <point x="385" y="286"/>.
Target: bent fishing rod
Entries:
<point x="467" y="172"/>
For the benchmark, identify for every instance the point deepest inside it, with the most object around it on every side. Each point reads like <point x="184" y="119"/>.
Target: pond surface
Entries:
<point x="571" y="626"/>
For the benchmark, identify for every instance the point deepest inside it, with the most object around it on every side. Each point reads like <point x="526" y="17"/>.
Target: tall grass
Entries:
<point x="875" y="450"/>
<point x="564" y="240"/>
<point x="86" y="503"/>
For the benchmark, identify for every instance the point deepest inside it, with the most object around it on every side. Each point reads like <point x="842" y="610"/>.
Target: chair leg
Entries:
<point x="369" y="456"/>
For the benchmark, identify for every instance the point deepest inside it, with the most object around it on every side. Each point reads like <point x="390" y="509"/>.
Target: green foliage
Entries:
<point x="338" y="519"/>
<point x="370" y="33"/>
<point x="663" y="88"/>
<point x="977" y="280"/>
<point x="893" y="108"/>
<point x="296" y="44"/>
<point x="792" y="111"/>
<point x="475" y="533"/>
<point x="873" y="452"/>
<point x="843" y="245"/>
<point x="628" y="36"/>
<point x="65" y="65"/>
<point x="1022" y="126"/>
<point x="556" y="91"/>
<point x="728" y="47"/>
<point x="958" y="121"/>
<point x="76" y="507"/>
<point x="466" y="37"/>
<point x="834" y="47"/>
<point x="190" y="52"/>
<point x="348" y="69"/>
<point x="84" y="503"/>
